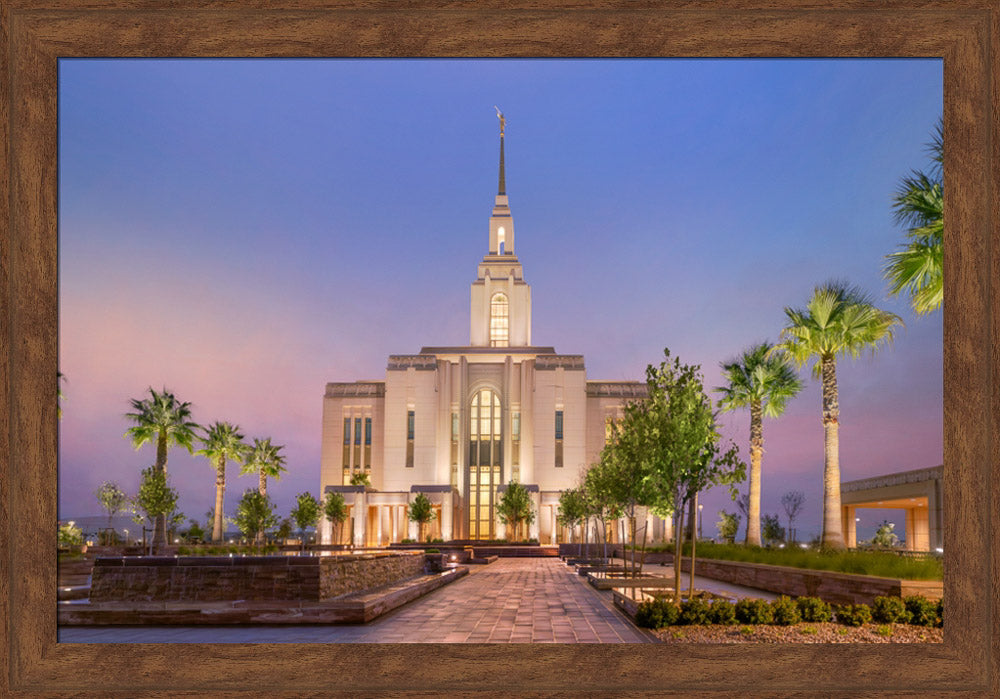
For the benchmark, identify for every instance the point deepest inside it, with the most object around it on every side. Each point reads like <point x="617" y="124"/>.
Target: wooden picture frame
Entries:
<point x="35" y="34"/>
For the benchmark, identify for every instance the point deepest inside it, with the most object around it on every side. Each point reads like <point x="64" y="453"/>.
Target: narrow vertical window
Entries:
<point x="559" y="439"/>
<point x="357" y="443"/>
<point x="410" y="429"/>
<point x="515" y="442"/>
<point x="346" y="457"/>
<point x="499" y="321"/>
<point x="368" y="443"/>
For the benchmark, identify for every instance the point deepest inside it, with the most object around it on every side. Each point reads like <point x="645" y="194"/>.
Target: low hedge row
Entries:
<point x="785" y="611"/>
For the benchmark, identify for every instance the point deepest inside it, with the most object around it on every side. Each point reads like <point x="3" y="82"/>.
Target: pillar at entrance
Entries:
<point x="850" y="527"/>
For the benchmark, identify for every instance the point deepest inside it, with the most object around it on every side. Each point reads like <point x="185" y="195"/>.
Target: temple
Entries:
<point x="460" y="422"/>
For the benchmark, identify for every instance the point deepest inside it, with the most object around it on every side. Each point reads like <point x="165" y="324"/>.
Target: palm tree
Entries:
<point x="917" y="268"/>
<point x="838" y="320"/>
<point x="763" y="381"/>
<point x="264" y="459"/>
<point x="223" y="442"/>
<point x="162" y="419"/>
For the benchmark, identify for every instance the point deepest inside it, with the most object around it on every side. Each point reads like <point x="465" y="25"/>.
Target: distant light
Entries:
<point x="781" y="546"/>
<point x="67" y="589"/>
<point x="177" y="541"/>
<point x="805" y="546"/>
<point x="939" y="549"/>
<point x="453" y="557"/>
<point x="857" y="519"/>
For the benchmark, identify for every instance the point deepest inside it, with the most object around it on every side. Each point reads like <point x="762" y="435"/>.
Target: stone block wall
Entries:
<point x="840" y="588"/>
<point x="252" y="578"/>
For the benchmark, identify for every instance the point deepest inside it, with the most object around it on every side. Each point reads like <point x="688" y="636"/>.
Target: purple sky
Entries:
<point x="243" y="231"/>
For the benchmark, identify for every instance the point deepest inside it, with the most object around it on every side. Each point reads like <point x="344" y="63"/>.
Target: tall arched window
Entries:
<point x="499" y="321"/>
<point x="485" y="461"/>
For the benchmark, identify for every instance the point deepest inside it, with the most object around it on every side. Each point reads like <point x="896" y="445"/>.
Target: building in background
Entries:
<point x="458" y="423"/>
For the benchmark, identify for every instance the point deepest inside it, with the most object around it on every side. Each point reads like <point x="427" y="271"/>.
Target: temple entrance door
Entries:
<point x="485" y="460"/>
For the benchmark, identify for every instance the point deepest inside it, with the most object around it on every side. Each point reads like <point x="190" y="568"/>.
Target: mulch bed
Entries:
<point x="802" y="633"/>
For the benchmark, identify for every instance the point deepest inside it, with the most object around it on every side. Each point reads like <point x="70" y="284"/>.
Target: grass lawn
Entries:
<point x="884" y="564"/>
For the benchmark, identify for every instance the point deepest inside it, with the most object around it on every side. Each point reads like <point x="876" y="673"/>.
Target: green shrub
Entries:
<point x="695" y="612"/>
<point x="649" y="615"/>
<point x="940" y="612"/>
<point x="854" y="614"/>
<point x="922" y="611"/>
<point x="785" y="611"/>
<point x="753" y="611"/>
<point x="813" y="609"/>
<point x="890" y="610"/>
<point x="432" y="550"/>
<point x="656" y="614"/>
<point x="722" y="612"/>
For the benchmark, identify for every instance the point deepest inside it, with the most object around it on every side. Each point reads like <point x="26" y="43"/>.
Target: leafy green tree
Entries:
<point x="599" y="498"/>
<point x="335" y="511"/>
<point x="285" y="527"/>
<point x="194" y="531"/>
<point x="421" y="511"/>
<point x="763" y="381"/>
<point x="165" y="421"/>
<point x="625" y="467"/>
<point x="113" y="500"/>
<point x="155" y="500"/>
<point x="572" y="510"/>
<point x="516" y="509"/>
<point x="255" y="514"/>
<point x="839" y="320"/>
<point x="361" y="478"/>
<point x="264" y="459"/>
<point x="771" y="530"/>
<point x="885" y="537"/>
<point x="728" y="525"/>
<point x="306" y="513"/>
<point x="69" y="535"/>
<point x="683" y="446"/>
<point x="223" y="442"/>
<point x="917" y="268"/>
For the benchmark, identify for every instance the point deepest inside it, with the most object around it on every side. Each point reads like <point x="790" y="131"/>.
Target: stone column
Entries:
<point x="534" y="526"/>
<point x="850" y="526"/>
<point x="394" y="517"/>
<point x="911" y="532"/>
<point x="552" y="523"/>
<point x="447" y="510"/>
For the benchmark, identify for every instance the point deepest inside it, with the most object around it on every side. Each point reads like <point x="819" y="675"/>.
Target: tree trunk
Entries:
<point x="631" y="527"/>
<point x="678" y="531"/>
<point x="160" y="523"/>
<point x="262" y="485"/>
<point x="694" y="541"/>
<point x="833" y="536"/>
<point x="220" y="490"/>
<point x="756" y="450"/>
<point x="692" y="524"/>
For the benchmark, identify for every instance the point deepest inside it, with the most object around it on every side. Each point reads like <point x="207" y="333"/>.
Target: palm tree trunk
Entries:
<point x="756" y="450"/>
<point x="262" y="489"/>
<point x="220" y="490"/>
<point x="160" y="523"/>
<point x="833" y="537"/>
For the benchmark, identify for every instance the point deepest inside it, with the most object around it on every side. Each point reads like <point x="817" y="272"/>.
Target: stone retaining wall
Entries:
<point x="830" y="586"/>
<point x="257" y="578"/>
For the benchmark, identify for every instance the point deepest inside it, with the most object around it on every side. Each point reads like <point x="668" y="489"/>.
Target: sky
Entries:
<point x="241" y="232"/>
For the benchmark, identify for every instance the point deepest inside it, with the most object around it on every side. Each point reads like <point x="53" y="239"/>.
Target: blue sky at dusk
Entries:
<point x="244" y="231"/>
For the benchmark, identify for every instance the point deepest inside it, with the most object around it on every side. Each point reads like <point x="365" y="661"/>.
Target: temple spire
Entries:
<point x="502" y="184"/>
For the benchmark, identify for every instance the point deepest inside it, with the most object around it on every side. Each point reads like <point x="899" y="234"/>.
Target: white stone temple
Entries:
<point x="457" y="423"/>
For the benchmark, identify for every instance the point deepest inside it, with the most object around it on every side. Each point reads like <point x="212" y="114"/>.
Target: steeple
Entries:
<point x="502" y="187"/>
<point x="501" y="299"/>
<point x="501" y="223"/>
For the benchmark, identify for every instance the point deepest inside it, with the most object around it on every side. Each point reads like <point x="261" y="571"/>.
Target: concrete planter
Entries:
<point x="830" y="586"/>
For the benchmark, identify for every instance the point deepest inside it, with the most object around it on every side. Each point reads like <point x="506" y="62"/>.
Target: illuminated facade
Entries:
<point x="457" y="423"/>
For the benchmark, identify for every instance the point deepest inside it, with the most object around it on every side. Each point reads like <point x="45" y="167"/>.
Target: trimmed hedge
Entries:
<point x="785" y="611"/>
<point x="890" y="610"/>
<point x="814" y="610"/>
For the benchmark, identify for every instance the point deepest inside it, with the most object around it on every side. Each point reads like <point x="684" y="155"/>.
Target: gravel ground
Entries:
<point x="802" y="633"/>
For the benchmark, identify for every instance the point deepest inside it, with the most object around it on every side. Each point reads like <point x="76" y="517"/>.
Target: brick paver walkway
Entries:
<point x="513" y="600"/>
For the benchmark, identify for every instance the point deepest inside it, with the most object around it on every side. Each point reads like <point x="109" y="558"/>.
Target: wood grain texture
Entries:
<point x="34" y="34"/>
